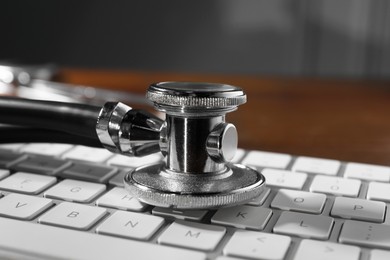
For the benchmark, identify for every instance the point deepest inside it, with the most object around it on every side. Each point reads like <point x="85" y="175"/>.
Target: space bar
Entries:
<point x="35" y="241"/>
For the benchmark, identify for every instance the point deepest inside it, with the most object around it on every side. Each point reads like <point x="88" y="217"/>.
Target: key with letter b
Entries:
<point x="72" y="215"/>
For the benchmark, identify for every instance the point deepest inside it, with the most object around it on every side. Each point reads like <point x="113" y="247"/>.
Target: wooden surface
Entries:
<point x="341" y="119"/>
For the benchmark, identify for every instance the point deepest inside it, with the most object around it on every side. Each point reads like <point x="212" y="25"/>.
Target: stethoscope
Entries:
<point x="197" y="143"/>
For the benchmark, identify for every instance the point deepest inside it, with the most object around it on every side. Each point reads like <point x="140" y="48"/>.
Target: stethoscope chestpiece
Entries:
<point x="198" y="146"/>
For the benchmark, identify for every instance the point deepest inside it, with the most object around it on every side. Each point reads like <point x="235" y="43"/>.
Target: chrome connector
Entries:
<point x="128" y="131"/>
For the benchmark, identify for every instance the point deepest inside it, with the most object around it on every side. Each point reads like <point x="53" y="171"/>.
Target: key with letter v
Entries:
<point x="23" y="206"/>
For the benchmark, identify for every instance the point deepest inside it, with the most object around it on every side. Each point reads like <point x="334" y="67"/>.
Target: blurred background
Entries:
<point x="316" y="72"/>
<point x="324" y="38"/>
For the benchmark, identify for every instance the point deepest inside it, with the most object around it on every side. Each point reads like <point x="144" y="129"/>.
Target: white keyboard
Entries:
<point x="62" y="201"/>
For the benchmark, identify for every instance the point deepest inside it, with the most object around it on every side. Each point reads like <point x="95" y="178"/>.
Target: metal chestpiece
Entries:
<point x="198" y="146"/>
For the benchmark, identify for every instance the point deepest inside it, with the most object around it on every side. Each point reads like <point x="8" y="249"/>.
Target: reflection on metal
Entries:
<point x="198" y="145"/>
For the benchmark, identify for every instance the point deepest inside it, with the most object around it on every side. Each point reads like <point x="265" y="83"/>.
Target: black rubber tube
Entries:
<point x="17" y="134"/>
<point x="74" y="119"/>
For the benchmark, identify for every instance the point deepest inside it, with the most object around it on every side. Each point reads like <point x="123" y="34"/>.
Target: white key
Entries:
<point x="365" y="234"/>
<point x="316" y="165"/>
<point x="73" y="215"/>
<point x="246" y="217"/>
<point x="304" y="225"/>
<point x="121" y="199"/>
<point x="23" y="206"/>
<point x="257" y="245"/>
<point x="27" y="183"/>
<point x="3" y="173"/>
<point x="134" y="162"/>
<point x="310" y="249"/>
<point x="379" y="191"/>
<point x="284" y="179"/>
<point x="192" y="235"/>
<point x="131" y="225"/>
<point x="87" y="154"/>
<point x="377" y="254"/>
<point x="47" y="149"/>
<point x="267" y="159"/>
<point x="196" y="215"/>
<point x="21" y="239"/>
<point x="335" y="186"/>
<point x="78" y="191"/>
<point x="299" y="201"/>
<point x="359" y="209"/>
<point x="258" y="201"/>
<point x="367" y="172"/>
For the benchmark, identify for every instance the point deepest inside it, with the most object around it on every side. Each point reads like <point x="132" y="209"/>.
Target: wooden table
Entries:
<point x="341" y="119"/>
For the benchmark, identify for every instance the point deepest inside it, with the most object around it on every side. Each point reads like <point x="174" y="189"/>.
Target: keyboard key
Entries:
<point x="27" y="183"/>
<point x="20" y="238"/>
<point x="304" y="225"/>
<point x="259" y="200"/>
<point x="77" y="191"/>
<point x="72" y="215"/>
<point x="7" y="158"/>
<point x="246" y="217"/>
<point x="367" y="172"/>
<point x="47" y="149"/>
<point x="257" y="245"/>
<point x="134" y="162"/>
<point x="192" y="235"/>
<point x="88" y="172"/>
<point x="267" y="159"/>
<point x="365" y="234"/>
<point x="310" y="249"/>
<point x="23" y="206"/>
<point x="119" y="198"/>
<point x="335" y="186"/>
<point x="316" y="165"/>
<point x="131" y="225"/>
<point x="299" y="201"/>
<point x="87" y="154"/>
<point x="379" y="191"/>
<point x="377" y="254"/>
<point x="196" y="215"/>
<point x="41" y="165"/>
<point x="359" y="209"/>
<point x="284" y="179"/>
<point x="117" y="179"/>
<point x="3" y="173"/>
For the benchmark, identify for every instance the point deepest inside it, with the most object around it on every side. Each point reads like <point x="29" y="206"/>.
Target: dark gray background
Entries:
<point x="330" y="38"/>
